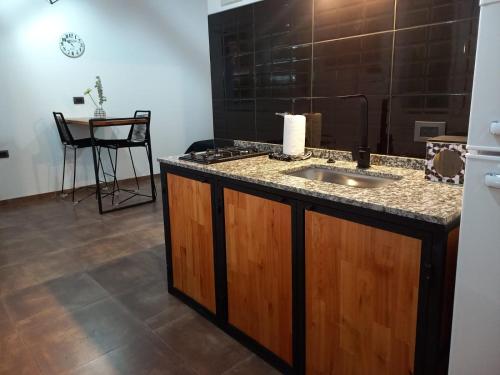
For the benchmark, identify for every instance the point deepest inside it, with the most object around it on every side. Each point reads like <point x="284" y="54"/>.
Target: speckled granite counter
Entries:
<point x="410" y="196"/>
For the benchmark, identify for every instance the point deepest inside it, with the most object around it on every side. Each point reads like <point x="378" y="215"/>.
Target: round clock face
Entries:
<point x="72" y="45"/>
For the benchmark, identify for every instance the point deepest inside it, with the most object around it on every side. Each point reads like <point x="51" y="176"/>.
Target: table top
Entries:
<point x="85" y="121"/>
<point x="78" y="121"/>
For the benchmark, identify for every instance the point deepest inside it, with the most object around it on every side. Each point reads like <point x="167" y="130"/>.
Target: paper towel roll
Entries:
<point x="294" y="135"/>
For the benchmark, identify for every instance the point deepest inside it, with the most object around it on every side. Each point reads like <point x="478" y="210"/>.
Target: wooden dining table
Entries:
<point x="85" y="121"/>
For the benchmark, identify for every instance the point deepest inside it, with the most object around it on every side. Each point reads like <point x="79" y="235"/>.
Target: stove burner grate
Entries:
<point x="219" y="155"/>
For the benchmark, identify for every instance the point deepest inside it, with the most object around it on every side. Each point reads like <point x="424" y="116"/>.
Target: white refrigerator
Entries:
<point x="475" y="346"/>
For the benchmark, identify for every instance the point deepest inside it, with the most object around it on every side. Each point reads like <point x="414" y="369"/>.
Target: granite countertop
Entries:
<point x="410" y="196"/>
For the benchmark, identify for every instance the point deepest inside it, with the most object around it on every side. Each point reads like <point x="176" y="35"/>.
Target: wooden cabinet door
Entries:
<point x="190" y="213"/>
<point x="361" y="298"/>
<point x="259" y="269"/>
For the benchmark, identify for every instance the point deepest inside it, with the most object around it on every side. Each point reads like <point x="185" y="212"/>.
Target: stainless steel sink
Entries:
<point x="342" y="178"/>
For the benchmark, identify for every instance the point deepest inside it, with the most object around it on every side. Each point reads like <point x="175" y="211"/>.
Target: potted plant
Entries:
<point x="99" y="111"/>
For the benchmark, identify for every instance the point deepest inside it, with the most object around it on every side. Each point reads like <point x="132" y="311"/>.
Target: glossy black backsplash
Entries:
<point x="414" y="59"/>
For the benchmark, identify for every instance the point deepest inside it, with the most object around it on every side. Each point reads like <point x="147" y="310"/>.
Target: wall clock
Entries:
<point x="72" y="45"/>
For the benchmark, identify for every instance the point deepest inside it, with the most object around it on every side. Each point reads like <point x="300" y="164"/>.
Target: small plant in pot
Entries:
<point x="99" y="111"/>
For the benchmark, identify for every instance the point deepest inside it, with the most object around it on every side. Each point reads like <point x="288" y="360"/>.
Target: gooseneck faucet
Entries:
<point x="363" y="157"/>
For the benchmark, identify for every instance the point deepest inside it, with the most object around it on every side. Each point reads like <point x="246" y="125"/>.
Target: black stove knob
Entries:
<point x="192" y="154"/>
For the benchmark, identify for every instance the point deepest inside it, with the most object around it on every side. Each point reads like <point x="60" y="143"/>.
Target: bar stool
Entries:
<point x="68" y="141"/>
<point x="139" y="136"/>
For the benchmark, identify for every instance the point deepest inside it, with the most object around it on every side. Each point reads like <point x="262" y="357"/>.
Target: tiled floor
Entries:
<point x="82" y="294"/>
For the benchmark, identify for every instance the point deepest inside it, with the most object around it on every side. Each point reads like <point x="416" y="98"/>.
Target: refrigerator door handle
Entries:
<point x="492" y="180"/>
<point x="495" y="128"/>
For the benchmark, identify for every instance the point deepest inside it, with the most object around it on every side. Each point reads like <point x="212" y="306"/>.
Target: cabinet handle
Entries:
<point x="492" y="180"/>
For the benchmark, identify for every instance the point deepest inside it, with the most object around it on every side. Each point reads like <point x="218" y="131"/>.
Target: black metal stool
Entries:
<point x="68" y="141"/>
<point x="139" y="136"/>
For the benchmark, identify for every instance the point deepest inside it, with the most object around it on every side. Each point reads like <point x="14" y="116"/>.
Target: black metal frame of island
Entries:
<point x="431" y="353"/>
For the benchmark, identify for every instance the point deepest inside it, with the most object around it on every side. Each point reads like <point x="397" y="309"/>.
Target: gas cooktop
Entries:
<point x="219" y="155"/>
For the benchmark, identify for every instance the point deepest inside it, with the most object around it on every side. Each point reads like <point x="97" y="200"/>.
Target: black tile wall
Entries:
<point x="344" y="18"/>
<point x="341" y="123"/>
<point x="413" y="58"/>
<point x="435" y="59"/>
<point x="234" y="119"/>
<point x="269" y="126"/>
<point x="354" y="65"/>
<point x="231" y="53"/>
<point x="239" y="76"/>
<point x="217" y="67"/>
<point x="219" y="118"/>
<point x="283" y="72"/>
<point x="453" y="109"/>
<point x="238" y="37"/>
<point x="422" y="12"/>
<point x="282" y="23"/>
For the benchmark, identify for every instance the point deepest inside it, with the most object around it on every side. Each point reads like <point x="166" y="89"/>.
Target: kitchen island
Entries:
<point x="316" y="277"/>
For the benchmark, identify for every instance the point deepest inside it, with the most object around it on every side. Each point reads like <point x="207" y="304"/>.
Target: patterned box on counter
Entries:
<point x="445" y="161"/>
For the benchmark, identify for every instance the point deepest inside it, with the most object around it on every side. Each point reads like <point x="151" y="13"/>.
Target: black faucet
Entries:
<point x="363" y="157"/>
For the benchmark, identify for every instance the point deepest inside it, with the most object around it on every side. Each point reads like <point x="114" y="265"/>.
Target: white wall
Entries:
<point x="151" y="54"/>
<point x="214" y="6"/>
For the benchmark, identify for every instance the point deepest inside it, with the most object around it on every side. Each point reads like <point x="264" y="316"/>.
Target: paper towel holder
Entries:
<point x="282" y="114"/>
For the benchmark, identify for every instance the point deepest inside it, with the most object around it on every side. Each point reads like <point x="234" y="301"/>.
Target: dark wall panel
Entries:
<point x="341" y="123"/>
<point x="413" y="58"/>
<point x="453" y="109"/>
<point x="234" y="119"/>
<point x="435" y="59"/>
<point x="283" y="72"/>
<point x="282" y="23"/>
<point x="355" y="65"/>
<point x="422" y="12"/>
<point x="269" y="126"/>
<point x="344" y="18"/>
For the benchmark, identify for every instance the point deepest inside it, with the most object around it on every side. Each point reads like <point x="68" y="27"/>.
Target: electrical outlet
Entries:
<point x="4" y="154"/>
<point x="428" y="129"/>
<point x="78" y="100"/>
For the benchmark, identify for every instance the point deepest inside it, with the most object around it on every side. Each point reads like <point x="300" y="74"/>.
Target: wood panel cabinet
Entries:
<point x="258" y="235"/>
<point x="191" y="237"/>
<point x="304" y="284"/>
<point x="362" y="287"/>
